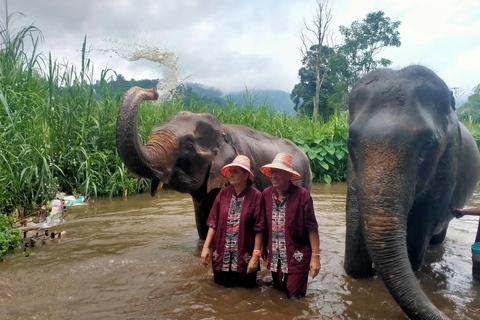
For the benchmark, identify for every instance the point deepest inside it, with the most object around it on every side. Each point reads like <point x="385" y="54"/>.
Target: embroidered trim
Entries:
<point x="247" y="257"/>
<point x="298" y="255"/>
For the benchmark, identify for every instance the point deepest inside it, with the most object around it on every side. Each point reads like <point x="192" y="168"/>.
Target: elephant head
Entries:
<point x="410" y="161"/>
<point x="188" y="151"/>
<point x="179" y="152"/>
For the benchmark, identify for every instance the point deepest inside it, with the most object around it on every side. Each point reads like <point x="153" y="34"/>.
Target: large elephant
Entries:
<point x="410" y="162"/>
<point x="188" y="151"/>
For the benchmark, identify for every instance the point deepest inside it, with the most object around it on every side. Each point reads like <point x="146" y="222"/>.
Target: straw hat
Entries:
<point x="240" y="161"/>
<point x="282" y="161"/>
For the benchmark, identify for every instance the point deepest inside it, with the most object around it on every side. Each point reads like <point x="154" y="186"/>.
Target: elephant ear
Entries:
<point x="452" y="100"/>
<point x="226" y="155"/>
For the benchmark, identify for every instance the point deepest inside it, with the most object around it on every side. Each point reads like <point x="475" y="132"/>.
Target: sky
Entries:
<point x="233" y="45"/>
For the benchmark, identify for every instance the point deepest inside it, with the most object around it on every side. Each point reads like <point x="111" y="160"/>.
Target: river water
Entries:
<point x="140" y="259"/>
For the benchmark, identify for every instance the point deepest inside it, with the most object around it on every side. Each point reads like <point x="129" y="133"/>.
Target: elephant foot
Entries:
<point x="358" y="271"/>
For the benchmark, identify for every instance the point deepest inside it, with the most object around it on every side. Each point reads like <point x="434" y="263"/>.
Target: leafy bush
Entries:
<point x="58" y="127"/>
<point x="9" y="238"/>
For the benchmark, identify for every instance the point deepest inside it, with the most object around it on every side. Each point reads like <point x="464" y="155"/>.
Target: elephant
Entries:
<point x="187" y="153"/>
<point x="410" y="163"/>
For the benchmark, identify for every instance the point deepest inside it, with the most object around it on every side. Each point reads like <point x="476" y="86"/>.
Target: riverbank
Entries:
<point x="59" y="132"/>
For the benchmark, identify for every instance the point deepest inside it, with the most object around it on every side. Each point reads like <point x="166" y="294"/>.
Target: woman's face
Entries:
<point x="280" y="178"/>
<point x="238" y="176"/>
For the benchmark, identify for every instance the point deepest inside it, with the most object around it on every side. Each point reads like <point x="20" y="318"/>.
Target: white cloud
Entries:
<point x="229" y="44"/>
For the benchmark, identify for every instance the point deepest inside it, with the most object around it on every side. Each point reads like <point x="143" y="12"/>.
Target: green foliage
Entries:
<point x="364" y="40"/>
<point x="327" y="150"/>
<point x="345" y="64"/>
<point x="303" y="93"/>
<point x="323" y="136"/>
<point x="58" y="132"/>
<point x="323" y="142"/>
<point x="9" y="237"/>
<point x="470" y="110"/>
<point x="118" y="83"/>
<point x="58" y="126"/>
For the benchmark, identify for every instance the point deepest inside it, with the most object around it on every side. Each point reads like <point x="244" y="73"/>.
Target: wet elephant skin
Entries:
<point x="410" y="161"/>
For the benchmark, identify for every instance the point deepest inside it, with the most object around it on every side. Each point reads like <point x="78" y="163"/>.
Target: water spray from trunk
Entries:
<point x="166" y="60"/>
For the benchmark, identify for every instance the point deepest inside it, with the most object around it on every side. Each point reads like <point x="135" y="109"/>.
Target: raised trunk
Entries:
<point x="153" y="160"/>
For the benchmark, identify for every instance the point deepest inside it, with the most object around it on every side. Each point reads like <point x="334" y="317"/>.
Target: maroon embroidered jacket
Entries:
<point x="299" y="219"/>
<point x="252" y="220"/>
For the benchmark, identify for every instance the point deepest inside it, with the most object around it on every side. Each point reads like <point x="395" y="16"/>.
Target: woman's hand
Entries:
<point x="457" y="213"/>
<point x="206" y="256"/>
<point x="253" y="264"/>
<point x="315" y="266"/>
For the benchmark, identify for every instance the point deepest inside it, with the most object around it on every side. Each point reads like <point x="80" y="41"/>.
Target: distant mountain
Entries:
<point x="469" y="109"/>
<point x="205" y="91"/>
<point x="279" y="100"/>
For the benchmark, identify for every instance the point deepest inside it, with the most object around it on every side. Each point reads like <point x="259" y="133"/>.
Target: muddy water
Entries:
<point x="139" y="259"/>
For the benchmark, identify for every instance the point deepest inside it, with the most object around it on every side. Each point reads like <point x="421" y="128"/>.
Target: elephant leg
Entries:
<point x="417" y="243"/>
<point x="421" y="226"/>
<point x="201" y="221"/>
<point x="202" y="211"/>
<point x="357" y="263"/>
<point x="438" y="238"/>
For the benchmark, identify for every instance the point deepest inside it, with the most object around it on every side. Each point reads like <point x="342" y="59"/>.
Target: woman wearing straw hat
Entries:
<point x="236" y="225"/>
<point x="293" y="241"/>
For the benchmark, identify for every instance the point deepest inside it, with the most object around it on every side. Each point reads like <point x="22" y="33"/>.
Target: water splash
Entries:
<point x="166" y="60"/>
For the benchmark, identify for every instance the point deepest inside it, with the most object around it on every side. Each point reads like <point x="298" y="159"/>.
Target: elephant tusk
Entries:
<point x="160" y="186"/>
<point x="156" y="186"/>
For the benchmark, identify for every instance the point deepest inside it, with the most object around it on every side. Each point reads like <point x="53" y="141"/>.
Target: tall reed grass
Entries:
<point x="58" y="134"/>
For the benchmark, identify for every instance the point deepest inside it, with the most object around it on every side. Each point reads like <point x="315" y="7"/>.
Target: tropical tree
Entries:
<point x="331" y="71"/>
<point x="304" y="93"/>
<point x="314" y="36"/>
<point x="364" y="40"/>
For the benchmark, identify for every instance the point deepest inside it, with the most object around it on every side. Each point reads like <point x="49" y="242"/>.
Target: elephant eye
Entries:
<point x="424" y="150"/>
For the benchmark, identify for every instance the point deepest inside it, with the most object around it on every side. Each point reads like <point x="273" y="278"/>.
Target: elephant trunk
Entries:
<point x="386" y="193"/>
<point x="156" y="158"/>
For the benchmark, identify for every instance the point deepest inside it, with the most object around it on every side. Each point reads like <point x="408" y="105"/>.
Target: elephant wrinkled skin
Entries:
<point x="188" y="151"/>
<point x="410" y="161"/>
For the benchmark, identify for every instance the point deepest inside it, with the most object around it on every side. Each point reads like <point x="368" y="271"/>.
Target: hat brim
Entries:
<point x="266" y="170"/>
<point x="225" y="171"/>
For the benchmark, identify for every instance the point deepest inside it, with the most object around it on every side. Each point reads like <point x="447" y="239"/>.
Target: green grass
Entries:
<point x="58" y="134"/>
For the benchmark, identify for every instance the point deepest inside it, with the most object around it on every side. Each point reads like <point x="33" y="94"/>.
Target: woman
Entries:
<point x="236" y="225"/>
<point x="293" y="246"/>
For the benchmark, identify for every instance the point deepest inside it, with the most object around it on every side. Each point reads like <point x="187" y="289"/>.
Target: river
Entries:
<point x="140" y="259"/>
